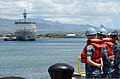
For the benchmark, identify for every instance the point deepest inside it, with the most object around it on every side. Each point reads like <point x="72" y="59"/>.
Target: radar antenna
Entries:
<point x="25" y="14"/>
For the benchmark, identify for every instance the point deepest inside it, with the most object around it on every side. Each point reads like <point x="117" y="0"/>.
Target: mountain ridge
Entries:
<point x="44" y="26"/>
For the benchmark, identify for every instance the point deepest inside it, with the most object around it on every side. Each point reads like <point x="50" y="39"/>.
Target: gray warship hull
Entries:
<point x="25" y="36"/>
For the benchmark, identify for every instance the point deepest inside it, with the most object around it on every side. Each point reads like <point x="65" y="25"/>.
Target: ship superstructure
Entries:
<point x="25" y="29"/>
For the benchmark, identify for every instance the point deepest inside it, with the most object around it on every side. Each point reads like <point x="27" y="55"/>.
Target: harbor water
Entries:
<point x="31" y="59"/>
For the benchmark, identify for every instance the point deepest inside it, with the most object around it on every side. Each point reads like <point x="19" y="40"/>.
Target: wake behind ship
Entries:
<point x="25" y="29"/>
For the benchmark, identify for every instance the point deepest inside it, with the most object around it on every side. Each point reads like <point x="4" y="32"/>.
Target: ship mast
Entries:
<point x="25" y="14"/>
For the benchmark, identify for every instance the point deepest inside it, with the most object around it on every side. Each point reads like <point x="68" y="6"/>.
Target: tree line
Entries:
<point x="50" y="35"/>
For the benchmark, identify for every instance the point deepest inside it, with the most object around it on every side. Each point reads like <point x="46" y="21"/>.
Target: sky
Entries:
<point x="94" y="12"/>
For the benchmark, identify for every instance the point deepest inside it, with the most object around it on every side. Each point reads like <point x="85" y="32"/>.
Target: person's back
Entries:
<point x="106" y="53"/>
<point x="92" y="58"/>
<point x="93" y="65"/>
<point x="116" y="51"/>
<point x="108" y="59"/>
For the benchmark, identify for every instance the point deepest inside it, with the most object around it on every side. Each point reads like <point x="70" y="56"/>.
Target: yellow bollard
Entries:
<point x="79" y="64"/>
<point x="79" y="59"/>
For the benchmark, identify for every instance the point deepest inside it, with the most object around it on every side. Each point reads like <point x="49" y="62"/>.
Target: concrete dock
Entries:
<point x="78" y="76"/>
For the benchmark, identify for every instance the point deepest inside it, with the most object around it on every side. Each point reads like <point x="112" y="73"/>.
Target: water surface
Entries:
<point x="31" y="59"/>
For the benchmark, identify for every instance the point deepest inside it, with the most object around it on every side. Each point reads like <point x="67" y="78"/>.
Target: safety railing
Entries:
<point x="79" y="60"/>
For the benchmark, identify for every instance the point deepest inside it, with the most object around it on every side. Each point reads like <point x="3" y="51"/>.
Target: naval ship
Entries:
<point x="25" y="29"/>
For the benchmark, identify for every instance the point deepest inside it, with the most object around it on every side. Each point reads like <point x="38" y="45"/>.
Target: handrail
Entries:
<point x="79" y="72"/>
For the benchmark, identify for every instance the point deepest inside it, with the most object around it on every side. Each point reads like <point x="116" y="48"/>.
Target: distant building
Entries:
<point x="73" y="36"/>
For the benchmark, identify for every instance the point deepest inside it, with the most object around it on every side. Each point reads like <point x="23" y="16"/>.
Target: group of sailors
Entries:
<point x="101" y="54"/>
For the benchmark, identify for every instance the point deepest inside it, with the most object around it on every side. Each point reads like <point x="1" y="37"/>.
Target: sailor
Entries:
<point x="107" y="54"/>
<point x="92" y="55"/>
<point x="116" y="51"/>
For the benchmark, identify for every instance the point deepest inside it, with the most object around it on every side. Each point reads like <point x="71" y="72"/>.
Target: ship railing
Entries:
<point x="30" y="30"/>
<point x="79" y="66"/>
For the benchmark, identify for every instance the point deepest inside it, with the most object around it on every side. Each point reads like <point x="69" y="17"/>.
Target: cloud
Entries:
<point x="65" y="11"/>
<point x="66" y="20"/>
<point x="24" y="4"/>
<point x="63" y="1"/>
